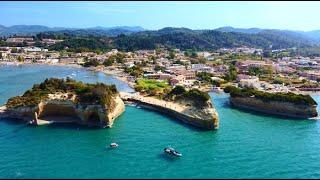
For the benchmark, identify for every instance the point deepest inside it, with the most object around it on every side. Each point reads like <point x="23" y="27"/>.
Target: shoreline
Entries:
<point x="118" y="74"/>
<point x="107" y="72"/>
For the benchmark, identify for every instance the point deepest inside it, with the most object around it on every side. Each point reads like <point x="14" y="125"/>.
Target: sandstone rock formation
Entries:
<point x="62" y="107"/>
<point x="275" y="107"/>
<point x="205" y="118"/>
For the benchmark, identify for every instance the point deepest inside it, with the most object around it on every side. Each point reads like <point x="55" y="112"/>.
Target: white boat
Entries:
<point x="171" y="151"/>
<point x="217" y="89"/>
<point x="132" y="104"/>
<point x="114" y="145"/>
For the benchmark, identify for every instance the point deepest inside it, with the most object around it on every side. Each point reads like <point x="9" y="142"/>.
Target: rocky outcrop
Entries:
<point x="281" y="108"/>
<point x="61" y="108"/>
<point x="205" y="118"/>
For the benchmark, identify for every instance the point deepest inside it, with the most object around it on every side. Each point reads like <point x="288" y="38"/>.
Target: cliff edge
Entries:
<point x="283" y="104"/>
<point x="68" y="101"/>
<point x="206" y="117"/>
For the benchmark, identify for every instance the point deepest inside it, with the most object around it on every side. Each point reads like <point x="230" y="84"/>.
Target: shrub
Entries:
<point x="178" y="90"/>
<point x="195" y="96"/>
<point x="265" y="96"/>
<point x="91" y="62"/>
<point x="98" y="93"/>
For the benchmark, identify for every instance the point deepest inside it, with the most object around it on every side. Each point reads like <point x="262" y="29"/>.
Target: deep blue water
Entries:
<point x="247" y="145"/>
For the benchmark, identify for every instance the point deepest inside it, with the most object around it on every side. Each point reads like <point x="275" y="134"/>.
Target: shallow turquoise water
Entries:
<point x="246" y="145"/>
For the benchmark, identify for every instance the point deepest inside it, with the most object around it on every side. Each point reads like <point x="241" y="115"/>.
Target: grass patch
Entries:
<point x="152" y="87"/>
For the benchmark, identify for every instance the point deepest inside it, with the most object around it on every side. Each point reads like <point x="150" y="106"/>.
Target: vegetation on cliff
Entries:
<point x="163" y="90"/>
<point x="265" y="96"/>
<point x="197" y="97"/>
<point x="98" y="93"/>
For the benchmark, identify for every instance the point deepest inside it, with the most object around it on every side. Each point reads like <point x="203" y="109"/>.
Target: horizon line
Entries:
<point x="159" y="28"/>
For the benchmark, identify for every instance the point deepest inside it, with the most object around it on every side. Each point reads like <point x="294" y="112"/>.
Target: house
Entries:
<point x="210" y="58"/>
<point x="204" y="54"/>
<point x="201" y="68"/>
<point x="243" y="66"/>
<point x="248" y="81"/>
<point x="32" y="49"/>
<point x="159" y="76"/>
<point x="129" y="64"/>
<point x="216" y="79"/>
<point x="17" y="40"/>
<point x="67" y="60"/>
<point x="312" y="75"/>
<point x="173" y="81"/>
<point x="52" y="61"/>
<point x="50" y="41"/>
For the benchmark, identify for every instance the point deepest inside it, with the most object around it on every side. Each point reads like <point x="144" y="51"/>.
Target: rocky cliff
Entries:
<point x="282" y="108"/>
<point x="206" y="117"/>
<point x="62" y="107"/>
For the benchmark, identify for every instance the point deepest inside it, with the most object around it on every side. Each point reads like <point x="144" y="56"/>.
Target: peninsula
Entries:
<point x="283" y="104"/>
<point x="62" y="101"/>
<point x="205" y="117"/>
<point x="191" y="106"/>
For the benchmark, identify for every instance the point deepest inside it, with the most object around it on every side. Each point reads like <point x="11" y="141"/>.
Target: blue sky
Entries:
<point x="156" y="15"/>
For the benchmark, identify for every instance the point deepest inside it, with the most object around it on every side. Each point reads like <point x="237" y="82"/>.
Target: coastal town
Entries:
<point x="208" y="71"/>
<point x="159" y="90"/>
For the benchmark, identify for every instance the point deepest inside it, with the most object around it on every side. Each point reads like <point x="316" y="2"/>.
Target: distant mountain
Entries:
<point x="127" y="28"/>
<point x="34" y="29"/>
<point x="184" y="38"/>
<point x="311" y="35"/>
<point x="135" y="37"/>
<point x="241" y="30"/>
<point x="25" y="30"/>
<point x="93" y="32"/>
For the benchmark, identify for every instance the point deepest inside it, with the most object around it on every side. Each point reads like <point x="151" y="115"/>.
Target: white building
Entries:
<point x="33" y="49"/>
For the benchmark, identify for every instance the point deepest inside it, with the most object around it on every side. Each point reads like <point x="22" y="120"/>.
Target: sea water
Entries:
<point x="247" y="145"/>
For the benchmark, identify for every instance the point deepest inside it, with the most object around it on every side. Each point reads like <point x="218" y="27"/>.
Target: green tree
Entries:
<point x="172" y="55"/>
<point x="20" y="59"/>
<point x="159" y="68"/>
<point x="108" y="62"/>
<point x="14" y="50"/>
<point x="91" y="62"/>
<point x="303" y="81"/>
<point x="120" y="58"/>
<point x="152" y="58"/>
<point x="232" y="74"/>
<point x="202" y="60"/>
<point x="194" y="54"/>
<point x="135" y="71"/>
<point x="268" y="70"/>
<point x="178" y="90"/>
<point x="254" y="71"/>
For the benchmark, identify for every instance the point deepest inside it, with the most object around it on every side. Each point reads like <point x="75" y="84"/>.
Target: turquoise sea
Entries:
<point x="247" y="145"/>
